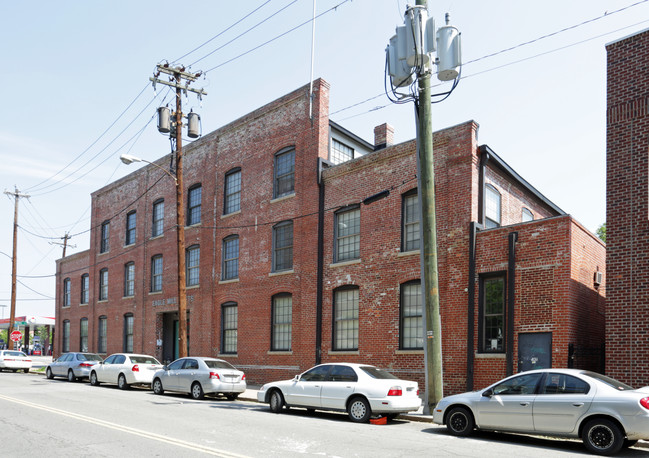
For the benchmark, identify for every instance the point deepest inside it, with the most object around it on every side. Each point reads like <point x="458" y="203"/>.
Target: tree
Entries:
<point x="601" y="232"/>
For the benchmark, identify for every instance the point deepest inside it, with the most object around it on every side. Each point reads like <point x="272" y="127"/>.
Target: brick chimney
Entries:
<point x="383" y="136"/>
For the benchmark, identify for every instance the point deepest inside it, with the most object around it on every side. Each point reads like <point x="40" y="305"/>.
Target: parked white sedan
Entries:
<point x="358" y="389"/>
<point x="125" y="369"/>
<point x="14" y="360"/>
<point x="199" y="376"/>
<point x="605" y="413"/>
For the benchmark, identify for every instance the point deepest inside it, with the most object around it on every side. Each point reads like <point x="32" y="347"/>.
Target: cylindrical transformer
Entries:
<point x="448" y="53"/>
<point x="193" y="129"/>
<point x="163" y="120"/>
<point x="416" y="21"/>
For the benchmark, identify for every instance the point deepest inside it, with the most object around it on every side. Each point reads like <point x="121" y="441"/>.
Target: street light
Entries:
<point x="128" y="160"/>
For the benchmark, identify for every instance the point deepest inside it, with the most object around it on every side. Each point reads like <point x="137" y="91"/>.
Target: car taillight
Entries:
<point x="135" y="368"/>
<point x="644" y="402"/>
<point x="85" y="365"/>
<point x="243" y="377"/>
<point x="395" y="391"/>
<point x="214" y="375"/>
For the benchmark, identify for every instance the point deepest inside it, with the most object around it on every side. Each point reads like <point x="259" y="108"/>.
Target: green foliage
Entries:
<point x="601" y="232"/>
<point x="3" y="335"/>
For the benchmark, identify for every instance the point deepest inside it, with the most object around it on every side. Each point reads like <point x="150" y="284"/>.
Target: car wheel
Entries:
<point x="602" y="437"/>
<point x="93" y="379"/>
<point x="48" y="373"/>
<point x="121" y="382"/>
<point x="276" y="401"/>
<point x="197" y="391"/>
<point x="71" y="377"/>
<point x="359" y="410"/>
<point x="232" y="396"/>
<point x="26" y="371"/>
<point x="460" y="422"/>
<point x="157" y="387"/>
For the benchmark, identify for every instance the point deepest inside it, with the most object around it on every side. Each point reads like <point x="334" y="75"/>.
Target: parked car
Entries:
<point x="605" y="413"/>
<point x="125" y="369"/>
<point x="199" y="376"/>
<point x="73" y="365"/>
<point x="37" y="350"/>
<point x="14" y="360"/>
<point x="358" y="389"/>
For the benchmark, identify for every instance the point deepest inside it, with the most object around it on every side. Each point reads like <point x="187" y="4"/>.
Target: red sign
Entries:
<point x="16" y="336"/>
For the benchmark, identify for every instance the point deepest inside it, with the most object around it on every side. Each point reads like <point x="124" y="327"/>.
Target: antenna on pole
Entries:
<point x="312" y="59"/>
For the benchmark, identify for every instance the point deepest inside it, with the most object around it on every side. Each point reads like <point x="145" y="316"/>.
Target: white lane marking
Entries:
<point x="127" y="429"/>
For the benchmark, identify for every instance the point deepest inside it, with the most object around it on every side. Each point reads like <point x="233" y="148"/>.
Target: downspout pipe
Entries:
<point x="470" y="348"/>
<point x="511" y="300"/>
<point x="320" y="268"/>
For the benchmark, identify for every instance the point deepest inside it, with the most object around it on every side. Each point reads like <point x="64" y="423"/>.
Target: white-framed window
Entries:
<point x="410" y="220"/>
<point x="156" y="273"/>
<point x="232" y="192"/>
<point x="129" y="279"/>
<point x="192" y="264"/>
<point x="229" y="328"/>
<point x="492" y="207"/>
<point x="66" y="336"/>
<point x="345" y="335"/>
<point x="348" y="234"/>
<point x="128" y="333"/>
<point x="230" y="266"/>
<point x="282" y="316"/>
<point x="103" y="284"/>
<point x="102" y="334"/>
<point x="526" y="215"/>
<point x="158" y="214"/>
<point x="83" y="334"/>
<point x="411" y="334"/>
<point x="340" y="152"/>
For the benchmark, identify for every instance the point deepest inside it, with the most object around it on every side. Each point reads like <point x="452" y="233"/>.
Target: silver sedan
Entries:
<point x="199" y="376"/>
<point x="605" y="413"/>
<point x="73" y="366"/>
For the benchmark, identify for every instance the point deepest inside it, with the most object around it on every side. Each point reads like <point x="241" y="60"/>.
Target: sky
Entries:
<point x="77" y="95"/>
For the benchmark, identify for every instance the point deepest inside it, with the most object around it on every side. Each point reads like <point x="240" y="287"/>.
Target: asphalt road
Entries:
<point x="58" y="418"/>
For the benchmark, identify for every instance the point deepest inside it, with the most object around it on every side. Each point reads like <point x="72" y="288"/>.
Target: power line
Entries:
<point x="222" y="32"/>
<point x="278" y="36"/>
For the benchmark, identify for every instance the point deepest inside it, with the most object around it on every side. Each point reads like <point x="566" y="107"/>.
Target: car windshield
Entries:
<point x="144" y="360"/>
<point x="609" y="381"/>
<point x="375" y="372"/>
<point x="213" y="364"/>
<point x="88" y="357"/>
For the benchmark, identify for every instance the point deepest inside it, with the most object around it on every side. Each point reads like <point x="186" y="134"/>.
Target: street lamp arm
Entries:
<point x="128" y="159"/>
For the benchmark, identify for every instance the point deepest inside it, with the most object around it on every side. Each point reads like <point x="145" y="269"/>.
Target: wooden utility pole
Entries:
<point x="179" y="74"/>
<point x="14" y="258"/>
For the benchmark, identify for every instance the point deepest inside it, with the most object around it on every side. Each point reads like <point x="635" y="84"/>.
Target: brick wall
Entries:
<point x="627" y="205"/>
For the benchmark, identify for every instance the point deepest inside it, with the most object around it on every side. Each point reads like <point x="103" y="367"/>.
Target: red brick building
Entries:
<point x="303" y="248"/>
<point x="627" y="209"/>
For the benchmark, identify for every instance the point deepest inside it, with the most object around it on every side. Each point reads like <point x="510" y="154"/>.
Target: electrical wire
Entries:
<point x="36" y="186"/>
<point x="221" y="33"/>
<point x="279" y="36"/>
<point x="243" y="33"/>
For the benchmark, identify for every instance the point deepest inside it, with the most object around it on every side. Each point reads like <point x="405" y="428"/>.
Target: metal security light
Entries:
<point x="128" y="160"/>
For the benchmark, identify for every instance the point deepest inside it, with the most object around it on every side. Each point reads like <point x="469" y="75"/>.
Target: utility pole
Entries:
<point x="178" y="74"/>
<point x="14" y="259"/>
<point x="64" y="244"/>
<point x="410" y="54"/>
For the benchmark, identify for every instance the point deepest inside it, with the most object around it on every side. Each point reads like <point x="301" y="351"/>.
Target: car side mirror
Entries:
<point x="165" y="367"/>
<point x="488" y="393"/>
<point x="296" y="378"/>
<point x="101" y="362"/>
